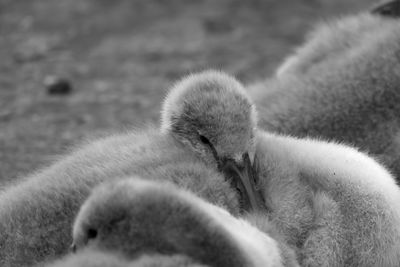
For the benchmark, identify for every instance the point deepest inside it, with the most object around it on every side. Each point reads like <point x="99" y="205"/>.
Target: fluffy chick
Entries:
<point x="193" y="113"/>
<point x="36" y="214"/>
<point x="338" y="206"/>
<point x="136" y="216"/>
<point x="213" y="131"/>
<point x="342" y="84"/>
<point x="331" y="41"/>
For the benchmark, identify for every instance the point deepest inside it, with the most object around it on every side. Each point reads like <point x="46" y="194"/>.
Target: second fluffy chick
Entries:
<point x="135" y="216"/>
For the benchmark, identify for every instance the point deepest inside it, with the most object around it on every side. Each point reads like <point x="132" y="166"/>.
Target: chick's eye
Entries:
<point x="207" y="142"/>
<point x="91" y="233"/>
<point x="204" y="140"/>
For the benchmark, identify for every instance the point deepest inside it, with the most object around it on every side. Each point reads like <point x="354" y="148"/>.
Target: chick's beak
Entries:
<point x="242" y="159"/>
<point x="72" y="248"/>
<point x="244" y="178"/>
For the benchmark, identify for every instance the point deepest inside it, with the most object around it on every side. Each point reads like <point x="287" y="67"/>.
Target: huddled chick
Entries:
<point x="342" y="84"/>
<point x="136" y="216"/>
<point x="338" y="206"/>
<point x="36" y="214"/>
<point x="193" y="113"/>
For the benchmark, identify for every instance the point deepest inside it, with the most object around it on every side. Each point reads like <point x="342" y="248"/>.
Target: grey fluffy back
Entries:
<point x="92" y="258"/>
<point x="343" y="84"/>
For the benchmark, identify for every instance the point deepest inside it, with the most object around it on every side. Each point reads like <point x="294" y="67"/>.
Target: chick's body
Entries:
<point x="338" y="206"/>
<point x="93" y="258"/>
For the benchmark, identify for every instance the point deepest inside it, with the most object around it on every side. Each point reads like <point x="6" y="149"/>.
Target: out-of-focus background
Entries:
<point x="121" y="56"/>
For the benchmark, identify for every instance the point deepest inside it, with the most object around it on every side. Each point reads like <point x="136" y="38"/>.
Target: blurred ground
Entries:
<point x="122" y="55"/>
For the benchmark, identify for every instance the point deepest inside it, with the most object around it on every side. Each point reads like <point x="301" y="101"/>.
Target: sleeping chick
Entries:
<point x="193" y="114"/>
<point x="135" y="216"/>
<point x="338" y="206"/>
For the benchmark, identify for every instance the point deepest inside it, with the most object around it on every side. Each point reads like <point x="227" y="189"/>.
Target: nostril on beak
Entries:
<point x="246" y="159"/>
<point x="72" y="248"/>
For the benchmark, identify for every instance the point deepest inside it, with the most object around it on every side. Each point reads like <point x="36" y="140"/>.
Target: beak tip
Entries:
<point x="73" y="248"/>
